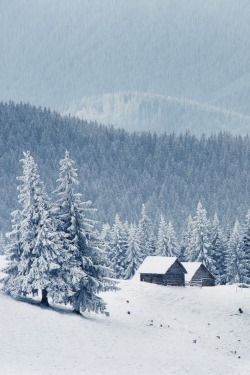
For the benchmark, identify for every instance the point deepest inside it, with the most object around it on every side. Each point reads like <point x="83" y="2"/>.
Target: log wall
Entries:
<point x="202" y="277"/>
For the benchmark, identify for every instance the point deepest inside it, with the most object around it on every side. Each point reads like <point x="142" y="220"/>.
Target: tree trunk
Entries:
<point x="44" y="300"/>
<point x="77" y="312"/>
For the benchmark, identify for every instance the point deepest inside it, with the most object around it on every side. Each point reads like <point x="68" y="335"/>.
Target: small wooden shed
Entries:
<point x="162" y="270"/>
<point x="198" y="274"/>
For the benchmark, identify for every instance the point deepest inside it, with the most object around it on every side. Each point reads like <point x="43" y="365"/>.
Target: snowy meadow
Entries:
<point x="151" y="329"/>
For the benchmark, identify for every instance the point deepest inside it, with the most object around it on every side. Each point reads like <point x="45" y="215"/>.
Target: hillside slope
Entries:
<point x="119" y="171"/>
<point x="138" y="111"/>
<point x="157" y="336"/>
<point x="56" y="52"/>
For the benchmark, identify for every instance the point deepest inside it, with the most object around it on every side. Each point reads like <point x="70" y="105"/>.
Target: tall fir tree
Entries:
<point x="167" y="243"/>
<point x="200" y="244"/>
<point x="134" y="255"/>
<point x="13" y="252"/>
<point x="119" y="246"/>
<point x="36" y="254"/>
<point x="87" y="276"/>
<point x="2" y="243"/>
<point x="218" y="251"/>
<point x="172" y="243"/>
<point x="186" y="241"/>
<point x="161" y="239"/>
<point x="146" y="234"/>
<point x="244" y="252"/>
<point x="233" y="259"/>
<point x="105" y="238"/>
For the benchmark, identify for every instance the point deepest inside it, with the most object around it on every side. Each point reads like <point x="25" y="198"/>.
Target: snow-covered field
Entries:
<point x="151" y="330"/>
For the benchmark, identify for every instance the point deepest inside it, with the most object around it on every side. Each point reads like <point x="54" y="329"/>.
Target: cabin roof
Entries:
<point x="157" y="265"/>
<point x="191" y="268"/>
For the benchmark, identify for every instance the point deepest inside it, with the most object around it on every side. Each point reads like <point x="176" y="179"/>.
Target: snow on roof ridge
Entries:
<point x="156" y="264"/>
<point x="191" y="268"/>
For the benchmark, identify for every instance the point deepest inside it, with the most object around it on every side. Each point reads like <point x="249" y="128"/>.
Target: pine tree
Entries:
<point x="218" y="251"/>
<point x="105" y="238"/>
<point x="167" y="242"/>
<point x="134" y="256"/>
<point x="186" y="241"/>
<point x="36" y="254"/>
<point x="82" y="244"/>
<point x="172" y="244"/>
<point x="2" y="243"/>
<point x="119" y="246"/>
<point x="233" y="254"/>
<point x="146" y="234"/>
<point x="13" y="253"/>
<point x="200" y="245"/>
<point x="244" y="253"/>
<point x="162" y="240"/>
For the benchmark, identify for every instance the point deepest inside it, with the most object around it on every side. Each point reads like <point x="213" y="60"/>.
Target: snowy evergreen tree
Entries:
<point x="146" y="234"/>
<point x="105" y="238"/>
<point x="2" y="243"/>
<point x="13" y="253"/>
<point x="233" y="254"/>
<point x="119" y="246"/>
<point x="82" y="242"/>
<point x="244" y="253"/>
<point x="200" y="245"/>
<point x="134" y="255"/>
<point x="167" y="243"/>
<point x="218" y="251"/>
<point x="162" y="240"/>
<point x="186" y="241"/>
<point x="36" y="254"/>
<point x="172" y="244"/>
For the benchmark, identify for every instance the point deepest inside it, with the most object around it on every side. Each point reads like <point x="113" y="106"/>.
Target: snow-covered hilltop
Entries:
<point x="151" y="329"/>
<point x="158" y="113"/>
<point x="56" y="53"/>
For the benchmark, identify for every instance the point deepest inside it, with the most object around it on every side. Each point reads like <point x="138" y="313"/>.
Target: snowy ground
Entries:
<point x="156" y="337"/>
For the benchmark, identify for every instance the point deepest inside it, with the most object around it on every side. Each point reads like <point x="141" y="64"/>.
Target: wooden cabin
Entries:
<point x="198" y="274"/>
<point x="162" y="270"/>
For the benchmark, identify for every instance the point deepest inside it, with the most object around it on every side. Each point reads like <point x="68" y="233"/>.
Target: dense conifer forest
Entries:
<point x="119" y="171"/>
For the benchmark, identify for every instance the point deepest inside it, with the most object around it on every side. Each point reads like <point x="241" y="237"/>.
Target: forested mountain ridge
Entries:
<point x="119" y="171"/>
<point x="56" y="52"/>
<point x="158" y="113"/>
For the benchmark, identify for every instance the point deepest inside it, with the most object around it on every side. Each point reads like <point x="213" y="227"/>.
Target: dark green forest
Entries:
<point x="118" y="171"/>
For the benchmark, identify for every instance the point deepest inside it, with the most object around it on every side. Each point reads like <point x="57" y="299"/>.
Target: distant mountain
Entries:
<point x="137" y="111"/>
<point x="54" y="53"/>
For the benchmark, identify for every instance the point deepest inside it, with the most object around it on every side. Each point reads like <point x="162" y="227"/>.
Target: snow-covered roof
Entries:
<point x="156" y="264"/>
<point x="191" y="268"/>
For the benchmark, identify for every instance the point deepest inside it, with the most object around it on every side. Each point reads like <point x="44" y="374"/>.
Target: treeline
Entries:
<point x="158" y="113"/>
<point x="56" y="251"/>
<point x="119" y="171"/>
<point x="224" y="251"/>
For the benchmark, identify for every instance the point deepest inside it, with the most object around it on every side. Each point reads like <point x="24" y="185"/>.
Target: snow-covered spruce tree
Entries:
<point x="146" y="234"/>
<point x="35" y="253"/>
<point x="233" y="254"/>
<point x="218" y="251"/>
<point x="134" y="255"/>
<point x="172" y="244"/>
<point x="244" y="253"/>
<point x="2" y="243"/>
<point x="105" y="238"/>
<point x="200" y="244"/>
<point x="186" y="241"/>
<point x="118" y="247"/>
<point x="167" y="242"/>
<point x="13" y="251"/>
<point x="161" y="239"/>
<point x="87" y="276"/>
